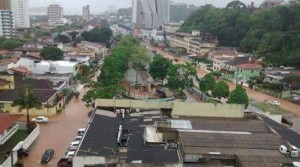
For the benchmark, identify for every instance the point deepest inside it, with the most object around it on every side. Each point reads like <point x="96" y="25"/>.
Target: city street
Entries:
<point x="258" y="96"/>
<point x="58" y="133"/>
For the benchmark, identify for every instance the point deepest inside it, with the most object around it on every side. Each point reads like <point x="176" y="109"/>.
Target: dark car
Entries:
<point x="22" y="153"/>
<point x="286" y="120"/>
<point x="48" y="154"/>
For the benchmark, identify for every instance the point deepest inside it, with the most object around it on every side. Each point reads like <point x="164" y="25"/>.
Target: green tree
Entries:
<point x="73" y="35"/>
<point x="10" y="44"/>
<point x="79" y="39"/>
<point x="207" y="83"/>
<point x="235" y="5"/>
<point x="180" y="76"/>
<point x="221" y="90"/>
<point x="52" y="53"/>
<point x="27" y="100"/>
<point x="159" y="67"/>
<point x="63" y="38"/>
<point x="238" y="96"/>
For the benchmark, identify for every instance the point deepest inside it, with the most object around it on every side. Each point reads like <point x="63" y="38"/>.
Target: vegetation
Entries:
<point x="159" y="67"/>
<point x="102" y="35"/>
<point x="52" y="53"/>
<point x="62" y="38"/>
<point x="180" y="76"/>
<point x="113" y="70"/>
<point x="292" y="81"/>
<point x="238" y="96"/>
<point x="269" y="108"/>
<point x="9" y="43"/>
<point x="221" y="90"/>
<point x="27" y="100"/>
<point x="272" y="33"/>
<point x="207" y="83"/>
<point x="179" y="12"/>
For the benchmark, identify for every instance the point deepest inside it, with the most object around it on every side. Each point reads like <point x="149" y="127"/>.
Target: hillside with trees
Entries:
<point x="272" y="33"/>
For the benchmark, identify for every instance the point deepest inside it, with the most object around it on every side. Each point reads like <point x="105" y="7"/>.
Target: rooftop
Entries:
<point x="250" y="66"/>
<point x="101" y="139"/>
<point x="7" y="120"/>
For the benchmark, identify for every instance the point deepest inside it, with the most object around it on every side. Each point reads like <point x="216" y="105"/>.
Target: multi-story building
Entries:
<point x="86" y="13"/>
<point x="195" y="43"/>
<point x="55" y="14"/>
<point x="5" y="4"/>
<point x="271" y="3"/>
<point x="150" y="14"/>
<point x="171" y="27"/>
<point x="6" y="23"/>
<point x="20" y="9"/>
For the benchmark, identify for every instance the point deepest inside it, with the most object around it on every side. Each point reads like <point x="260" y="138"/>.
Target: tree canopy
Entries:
<point x="9" y="43"/>
<point x="102" y="35"/>
<point x="221" y="90"/>
<point x="63" y="38"/>
<point x="207" y="83"/>
<point x="272" y="33"/>
<point x="238" y="96"/>
<point x="159" y="67"/>
<point x="52" y="53"/>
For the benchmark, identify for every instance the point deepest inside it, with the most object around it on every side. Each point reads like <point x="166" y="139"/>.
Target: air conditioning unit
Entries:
<point x="283" y="149"/>
<point x="294" y="151"/>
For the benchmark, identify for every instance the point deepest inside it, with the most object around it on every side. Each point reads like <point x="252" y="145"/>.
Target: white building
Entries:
<point x="55" y="14"/>
<point x="86" y="13"/>
<point x="150" y="14"/>
<point x="20" y="9"/>
<point x="36" y="66"/>
<point x="6" y="23"/>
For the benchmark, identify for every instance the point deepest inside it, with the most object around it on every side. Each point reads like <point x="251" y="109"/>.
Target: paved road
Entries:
<point x="58" y="133"/>
<point x="294" y="108"/>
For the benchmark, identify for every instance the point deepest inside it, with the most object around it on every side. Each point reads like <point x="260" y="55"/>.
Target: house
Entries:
<point x="223" y="52"/>
<point x="81" y="59"/>
<point x="197" y="42"/>
<point x="244" y="72"/>
<point x="271" y="3"/>
<point x="46" y="91"/>
<point x="36" y="65"/>
<point x="8" y="126"/>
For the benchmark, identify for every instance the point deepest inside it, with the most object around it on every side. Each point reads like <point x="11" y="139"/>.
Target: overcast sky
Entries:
<point x="98" y="6"/>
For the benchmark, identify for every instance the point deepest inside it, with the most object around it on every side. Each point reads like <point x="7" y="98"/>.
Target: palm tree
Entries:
<point x="27" y="100"/>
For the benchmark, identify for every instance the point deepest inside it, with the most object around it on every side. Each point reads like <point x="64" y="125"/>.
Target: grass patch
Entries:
<point x="270" y="108"/>
<point x="20" y="135"/>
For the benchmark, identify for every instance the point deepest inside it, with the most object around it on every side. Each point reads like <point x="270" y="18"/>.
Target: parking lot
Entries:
<point x="58" y="133"/>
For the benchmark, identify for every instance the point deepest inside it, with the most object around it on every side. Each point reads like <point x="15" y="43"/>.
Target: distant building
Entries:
<point x="294" y="2"/>
<point x="150" y="14"/>
<point x="55" y="14"/>
<point x="20" y="9"/>
<point x="7" y="27"/>
<point x="171" y="27"/>
<point x="195" y="43"/>
<point x="86" y="13"/>
<point x="271" y="3"/>
<point x="4" y="4"/>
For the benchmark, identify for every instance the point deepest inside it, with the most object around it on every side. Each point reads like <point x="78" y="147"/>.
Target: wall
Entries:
<point x="179" y="108"/>
<point x="33" y="112"/>
<point x="80" y="161"/>
<point x="247" y="74"/>
<point x="8" y="78"/>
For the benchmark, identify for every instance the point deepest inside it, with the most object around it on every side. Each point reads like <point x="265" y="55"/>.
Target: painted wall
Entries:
<point x="179" y="108"/>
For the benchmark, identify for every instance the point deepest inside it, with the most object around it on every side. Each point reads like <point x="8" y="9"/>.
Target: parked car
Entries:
<point x="286" y="120"/>
<point x="74" y="143"/>
<point x="64" y="162"/>
<point x="274" y="102"/>
<point x="48" y="154"/>
<point x="81" y="131"/>
<point x="72" y="148"/>
<point x="78" y="138"/>
<point x="22" y="153"/>
<point x="40" y="119"/>
<point x="70" y="154"/>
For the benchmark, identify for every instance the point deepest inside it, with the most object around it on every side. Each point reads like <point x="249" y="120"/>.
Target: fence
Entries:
<point x="198" y="93"/>
<point x="23" y="144"/>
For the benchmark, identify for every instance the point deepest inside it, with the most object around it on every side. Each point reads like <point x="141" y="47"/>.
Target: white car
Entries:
<point x="274" y="102"/>
<point x="70" y="154"/>
<point x="40" y="119"/>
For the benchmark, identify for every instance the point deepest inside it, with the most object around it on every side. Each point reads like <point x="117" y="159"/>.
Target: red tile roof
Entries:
<point x="7" y="120"/>
<point x="249" y="66"/>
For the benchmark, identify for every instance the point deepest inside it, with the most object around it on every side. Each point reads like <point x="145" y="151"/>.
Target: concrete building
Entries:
<point x="86" y="16"/>
<point x="20" y="9"/>
<point x="7" y="27"/>
<point x="150" y="14"/>
<point x="5" y="4"/>
<point x="123" y="135"/>
<point x="55" y="14"/>
<point x="172" y="27"/>
<point x="196" y="43"/>
<point x="271" y="3"/>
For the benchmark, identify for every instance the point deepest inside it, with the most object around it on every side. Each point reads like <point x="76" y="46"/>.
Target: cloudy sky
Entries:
<point x="98" y="6"/>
